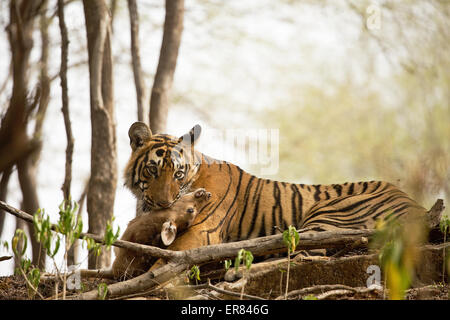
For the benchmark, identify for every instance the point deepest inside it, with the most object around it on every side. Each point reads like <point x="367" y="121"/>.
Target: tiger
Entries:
<point x="163" y="167"/>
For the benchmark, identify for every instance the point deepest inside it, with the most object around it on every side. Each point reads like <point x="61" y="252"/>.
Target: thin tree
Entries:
<point x="27" y="168"/>
<point x="14" y="142"/>
<point x="159" y="100"/>
<point x="16" y="147"/>
<point x="103" y="180"/>
<point x="66" y="187"/>
<point x="136" y="59"/>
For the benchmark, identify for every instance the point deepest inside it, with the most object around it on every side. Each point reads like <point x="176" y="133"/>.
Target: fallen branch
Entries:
<point x="328" y="294"/>
<point x="344" y="292"/>
<point x="204" y="286"/>
<point x="83" y="273"/>
<point x="329" y="290"/>
<point x="357" y="244"/>
<point x="315" y="289"/>
<point x="141" y="283"/>
<point x="100" y="274"/>
<point x="208" y="285"/>
<point x="139" y="294"/>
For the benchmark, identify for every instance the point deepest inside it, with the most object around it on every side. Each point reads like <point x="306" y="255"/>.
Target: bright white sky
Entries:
<point x="235" y="59"/>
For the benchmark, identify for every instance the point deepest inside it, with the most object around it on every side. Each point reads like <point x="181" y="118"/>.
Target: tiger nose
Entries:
<point x="164" y="204"/>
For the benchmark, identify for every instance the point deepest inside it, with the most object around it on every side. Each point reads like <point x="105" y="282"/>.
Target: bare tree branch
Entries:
<point x="4" y="258"/>
<point x="112" y="13"/>
<point x="73" y="65"/>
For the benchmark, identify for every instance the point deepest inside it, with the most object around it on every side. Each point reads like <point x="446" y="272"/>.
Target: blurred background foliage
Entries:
<point x="369" y="124"/>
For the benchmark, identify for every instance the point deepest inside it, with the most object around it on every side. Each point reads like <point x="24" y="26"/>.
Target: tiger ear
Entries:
<point x="139" y="133"/>
<point x="168" y="232"/>
<point x="191" y="137"/>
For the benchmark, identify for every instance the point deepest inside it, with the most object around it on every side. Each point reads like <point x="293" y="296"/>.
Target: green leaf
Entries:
<point x="111" y="236"/>
<point x="53" y="252"/>
<point x="19" y="237"/>
<point x="291" y="238"/>
<point x="245" y="257"/>
<point x="444" y="224"/>
<point x="78" y="230"/>
<point x="238" y="259"/>
<point x="102" y="291"/>
<point x="248" y="259"/>
<point x="194" y="272"/>
<point x="34" y="276"/>
<point x="228" y="264"/>
<point x="25" y="264"/>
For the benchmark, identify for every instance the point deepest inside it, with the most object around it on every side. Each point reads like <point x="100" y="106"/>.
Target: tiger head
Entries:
<point x="161" y="167"/>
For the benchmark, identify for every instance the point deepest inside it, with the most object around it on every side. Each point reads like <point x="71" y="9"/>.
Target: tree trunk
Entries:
<point x="102" y="184"/>
<point x="136" y="59"/>
<point x="15" y="144"/>
<point x="27" y="180"/>
<point x="159" y="100"/>
<point x="30" y="196"/>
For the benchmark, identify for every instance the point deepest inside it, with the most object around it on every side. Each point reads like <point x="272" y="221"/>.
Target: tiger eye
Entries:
<point x="179" y="175"/>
